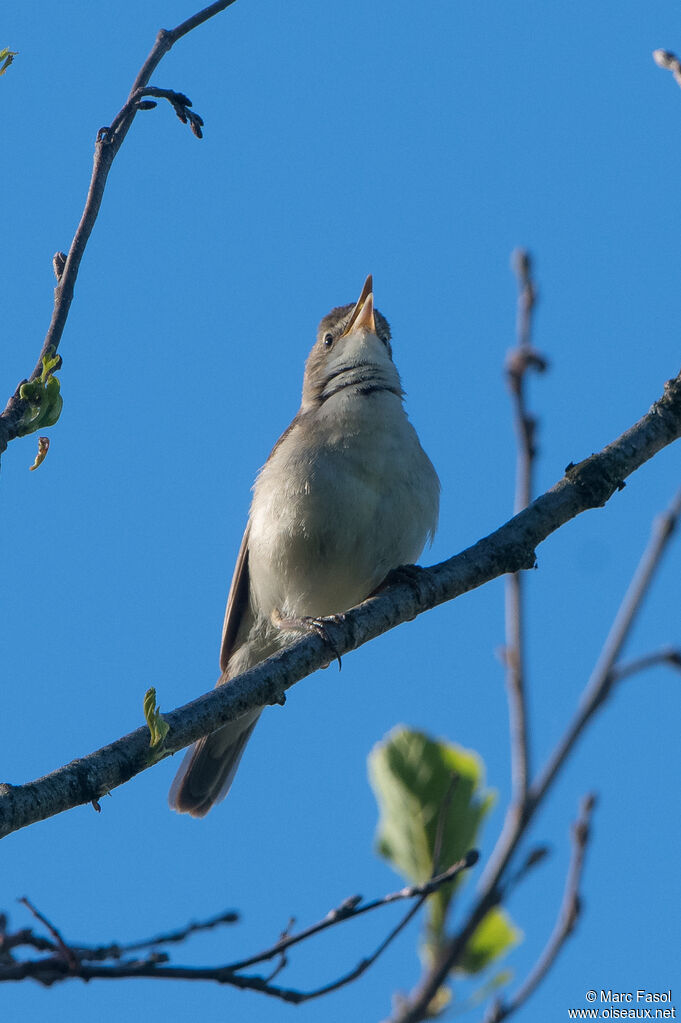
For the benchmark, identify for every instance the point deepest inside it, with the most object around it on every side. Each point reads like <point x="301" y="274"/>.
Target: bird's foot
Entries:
<point x="408" y="574"/>
<point x="403" y="574"/>
<point x="412" y="576"/>
<point x="308" y="624"/>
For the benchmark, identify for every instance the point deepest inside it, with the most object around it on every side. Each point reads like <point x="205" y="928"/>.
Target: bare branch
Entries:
<point x="519" y="361"/>
<point x="509" y="549"/>
<point x="107" y="144"/>
<point x="599" y="686"/>
<point x="100" y="953"/>
<point x="565" y="924"/>
<point x="364" y="964"/>
<point x="603" y="676"/>
<point x="176" y="937"/>
<point x="88" y="963"/>
<point x="353" y="907"/>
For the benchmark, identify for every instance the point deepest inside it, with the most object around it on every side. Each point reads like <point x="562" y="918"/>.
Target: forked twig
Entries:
<point x="65" y="950"/>
<point x="107" y="144"/>
<point x="88" y="963"/>
<point x="565" y="924"/>
<point x="604" y="675"/>
<point x="597" y="689"/>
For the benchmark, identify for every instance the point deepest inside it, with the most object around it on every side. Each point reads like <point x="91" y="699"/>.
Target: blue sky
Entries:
<point x="421" y="143"/>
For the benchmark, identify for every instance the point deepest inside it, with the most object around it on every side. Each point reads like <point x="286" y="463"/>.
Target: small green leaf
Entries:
<point x="6" y="56"/>
<point x="51" y="361"/>
<point x="493" y="937"/>
<point x="158" y="728"/>
<point x="411" y="775"/>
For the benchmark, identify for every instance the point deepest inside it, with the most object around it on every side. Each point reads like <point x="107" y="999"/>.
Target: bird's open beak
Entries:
<point x="363" y="313"/>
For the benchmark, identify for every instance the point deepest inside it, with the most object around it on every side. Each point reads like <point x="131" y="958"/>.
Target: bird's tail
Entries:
<point x="208" y="769"/>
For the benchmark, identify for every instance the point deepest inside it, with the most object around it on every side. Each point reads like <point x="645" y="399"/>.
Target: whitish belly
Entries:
<point x="324" y="536"/>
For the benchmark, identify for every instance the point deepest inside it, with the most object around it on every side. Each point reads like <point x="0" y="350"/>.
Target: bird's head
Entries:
<point x="352" y="350"/>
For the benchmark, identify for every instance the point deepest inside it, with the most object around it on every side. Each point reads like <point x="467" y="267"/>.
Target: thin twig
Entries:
<point x="351" y="908"/>
<point x="364" y="964"/>
<point x="178" y="936"/>
<point x="86" y="964"/>
<point x="670" y="656"/>
<point x="100" y="953"/>
<point x="107" y="144"/>
<point x="180" y="103"/>
<point x="519" y="361"/>
<point x="567" y="918"/>
<point x="64" y="949"/>
<point x="25" y="938"/>
<point x="599" y="686"/>
<point x="534" y="857"/>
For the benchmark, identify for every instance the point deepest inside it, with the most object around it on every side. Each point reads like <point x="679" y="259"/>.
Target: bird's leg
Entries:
<point x="308" y="624"/>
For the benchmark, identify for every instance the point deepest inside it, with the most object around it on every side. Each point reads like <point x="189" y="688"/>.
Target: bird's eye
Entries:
<point x="328" y="340"/>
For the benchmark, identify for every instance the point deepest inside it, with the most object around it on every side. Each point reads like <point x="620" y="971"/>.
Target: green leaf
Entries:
<point x="6" y="57"/>
<point x="493" y="937"/>
<point x="50" y="361"/>
<point x="158" y="728"/>
<point x="411" y="775"/>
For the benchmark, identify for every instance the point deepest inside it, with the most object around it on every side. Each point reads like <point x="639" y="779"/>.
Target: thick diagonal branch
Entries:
<point x="509" y="549"/>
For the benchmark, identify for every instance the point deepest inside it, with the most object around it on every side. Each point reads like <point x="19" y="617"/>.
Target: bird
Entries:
<point x="346" y="497"/>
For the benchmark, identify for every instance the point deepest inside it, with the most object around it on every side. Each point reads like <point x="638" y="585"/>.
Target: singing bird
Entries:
<point x="346" y="496"/>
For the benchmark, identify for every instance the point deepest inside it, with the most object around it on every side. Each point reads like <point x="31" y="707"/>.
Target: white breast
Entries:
<point x="348" y="495"/>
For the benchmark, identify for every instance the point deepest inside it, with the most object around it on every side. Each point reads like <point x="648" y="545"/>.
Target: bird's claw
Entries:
<point x="308" y="623"/>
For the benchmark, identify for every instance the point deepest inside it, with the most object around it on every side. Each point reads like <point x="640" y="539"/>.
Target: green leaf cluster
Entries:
<point x="43" y="397"/>
<point x="425" y="786"/>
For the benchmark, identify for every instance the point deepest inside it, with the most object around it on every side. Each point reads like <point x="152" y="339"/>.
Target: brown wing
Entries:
<point x="237" y="602"/>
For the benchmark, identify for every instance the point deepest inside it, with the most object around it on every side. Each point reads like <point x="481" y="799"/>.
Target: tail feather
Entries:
<point x="209" y="766"/>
